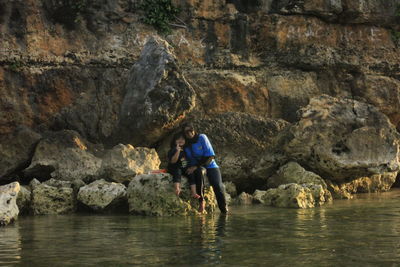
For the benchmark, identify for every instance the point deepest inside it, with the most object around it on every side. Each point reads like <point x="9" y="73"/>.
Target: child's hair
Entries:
<point x="176" y="137"/>
<point x="187" y="125"/>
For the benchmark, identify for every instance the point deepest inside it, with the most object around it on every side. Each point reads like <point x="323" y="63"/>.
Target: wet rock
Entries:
<point x="65" y="156"/>
<point x="101" y="195"/>
<point x="297" y="196"/>
<point x="8" y="203"/>
<point x="243" y="199"/>
<point x="258" y="196"/>
<point x="292" y="172"/>
<point x="124" y="162"/>
<point x="343" y="139"/>
<point x="24" y="199"/>
<point x="153" y="194"/>
<point x="375" y="183"/>
<point x="230" y="188"/>
<point x="16" y="150"/>
<point x="47" y="199"/>
<point x="157" y="95"/>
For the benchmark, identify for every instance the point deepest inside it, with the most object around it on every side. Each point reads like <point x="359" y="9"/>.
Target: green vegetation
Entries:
<point x="395" y="36"/>
<point x="159" y="14"/>
<point x="16" y="66"/>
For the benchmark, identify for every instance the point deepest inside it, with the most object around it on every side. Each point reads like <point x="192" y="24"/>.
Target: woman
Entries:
<point x="177" y="165"/>
<point x="201" y="154"/>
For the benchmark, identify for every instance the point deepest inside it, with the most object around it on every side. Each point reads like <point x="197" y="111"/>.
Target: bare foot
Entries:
<point x="196" y="196"/>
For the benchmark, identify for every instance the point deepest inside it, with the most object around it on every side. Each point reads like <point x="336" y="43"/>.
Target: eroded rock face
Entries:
<point x="157" y="95"/>
<point x="47" y="199"/>
<point x="65" y="156"/>
<point x="375" y="183"/>
<point x="24" y="199"/>
<point x="101" y="195"/>
<point x="343" y="139"/>
<point x="153" y="194"/>
<point x="16" y="150"/>
<point x="8" y="203"/>
<point x="292" y="172"/>
<point x="241" y="141"/>
<point x="297" y="196"/>
<point x="124" y="162"/>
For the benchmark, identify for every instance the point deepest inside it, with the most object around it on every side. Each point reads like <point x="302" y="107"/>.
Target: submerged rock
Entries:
<point x="52" y="199"/>
<point x="153" y="194"/>
<point x="375" y="183"/>
<point x="342" y="140"/>
<point x="292" y="172"/>
<point x="101" y="195"/>
<point x="24" y="199"/>
<point x="124" y="162"/>
<point x="8" y="203"/>
<point x="296" y="196"/>
<point x="243" y="199"/>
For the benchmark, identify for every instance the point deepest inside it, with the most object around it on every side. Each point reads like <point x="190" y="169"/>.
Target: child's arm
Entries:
<point x="175" y="156"/>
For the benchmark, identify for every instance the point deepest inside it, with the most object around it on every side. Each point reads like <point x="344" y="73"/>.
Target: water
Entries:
<point x="359" y="232"/>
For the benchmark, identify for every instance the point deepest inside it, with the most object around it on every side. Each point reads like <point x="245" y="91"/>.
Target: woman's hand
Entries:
<point x="190" y="170"/>
<point x="177" y="188"/>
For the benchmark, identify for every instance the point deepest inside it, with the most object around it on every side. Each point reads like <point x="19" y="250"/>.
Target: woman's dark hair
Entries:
<point x="176" y="137"/>
<point x="187" y="125"/>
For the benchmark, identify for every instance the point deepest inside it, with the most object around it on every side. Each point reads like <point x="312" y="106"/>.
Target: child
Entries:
<point x="177" y="165"/>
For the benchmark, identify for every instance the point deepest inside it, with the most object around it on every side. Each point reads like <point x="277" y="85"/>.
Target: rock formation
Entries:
<point x="8" y="203"/>
<point x="53" y="197"/>
<point x="101" y="195"/>
<point x="343" y="139"/>
<point x="153" y="194"/>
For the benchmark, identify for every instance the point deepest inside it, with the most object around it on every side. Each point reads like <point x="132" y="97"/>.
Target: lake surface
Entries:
<point x="358" y="232"/>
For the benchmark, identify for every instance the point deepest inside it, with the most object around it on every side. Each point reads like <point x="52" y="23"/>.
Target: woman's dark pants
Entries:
<point x="215" y="179"/>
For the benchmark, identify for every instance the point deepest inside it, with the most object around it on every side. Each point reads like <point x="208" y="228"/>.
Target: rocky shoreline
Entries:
<point x="300" y="100"/>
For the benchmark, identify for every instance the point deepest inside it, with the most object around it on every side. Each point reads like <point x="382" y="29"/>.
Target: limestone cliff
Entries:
<point x="76" y="67"/>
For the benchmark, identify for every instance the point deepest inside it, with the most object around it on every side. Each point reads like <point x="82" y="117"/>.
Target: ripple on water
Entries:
<point x="364" y="231"/>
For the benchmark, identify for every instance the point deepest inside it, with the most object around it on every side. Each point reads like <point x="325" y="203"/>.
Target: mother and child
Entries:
<point x="189" y="155"/>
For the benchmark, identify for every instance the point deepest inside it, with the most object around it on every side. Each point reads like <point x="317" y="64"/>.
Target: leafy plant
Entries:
<point x="159" y="14"/>
<point x="16" y="66"/>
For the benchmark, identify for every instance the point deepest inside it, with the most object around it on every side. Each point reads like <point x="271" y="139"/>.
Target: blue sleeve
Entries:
<point x="208" y="150"/>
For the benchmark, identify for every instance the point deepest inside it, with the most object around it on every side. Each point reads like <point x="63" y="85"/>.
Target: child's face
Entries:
<point x="180" y="141"/>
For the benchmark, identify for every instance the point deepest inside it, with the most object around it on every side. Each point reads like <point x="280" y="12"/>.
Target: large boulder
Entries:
<point x="157" y="95"/>
<point x="52" y="198"/>
<point x="296" y="196"/>
<point x="8" y="203"/>
<point x="16" y="150"/>
<point x="343" y="139"/>
<point x="153" y="194"/>
<point x="243" y="199"/>
<point x="65" y="156"/>
<point x="292" y="172"/>
<point x="24" y="199"/>
<point x="124" y="162"/>
<point x="101" y="195"/>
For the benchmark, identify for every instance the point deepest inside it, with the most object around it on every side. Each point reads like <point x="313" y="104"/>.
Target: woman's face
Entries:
<point x="180" y="141"/>
<point x="189" y="133"/>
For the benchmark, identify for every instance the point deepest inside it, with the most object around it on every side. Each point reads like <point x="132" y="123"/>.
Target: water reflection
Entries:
<point x="10" y="245"/>
<point x="363" y="231"/>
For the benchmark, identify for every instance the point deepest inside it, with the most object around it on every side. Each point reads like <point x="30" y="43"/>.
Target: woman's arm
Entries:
<point x="175" y="157"/>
